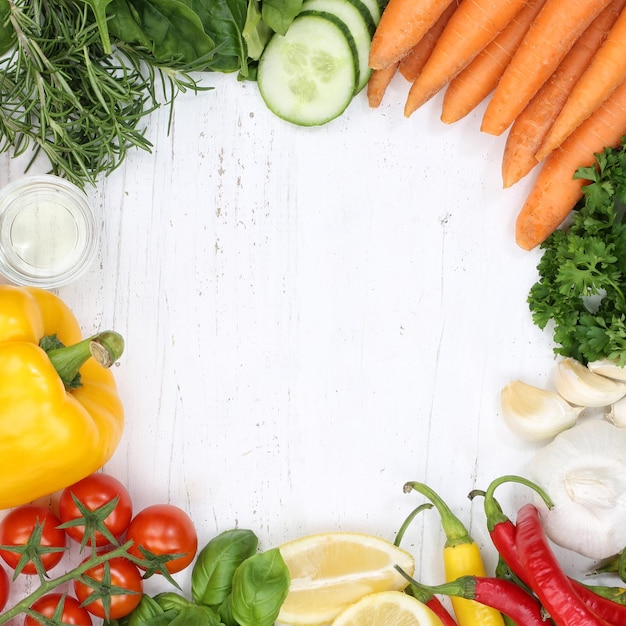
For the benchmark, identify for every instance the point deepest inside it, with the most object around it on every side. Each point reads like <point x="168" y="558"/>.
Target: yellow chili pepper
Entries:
<point x="60" y="415"/>
<point x="461" y="557"/>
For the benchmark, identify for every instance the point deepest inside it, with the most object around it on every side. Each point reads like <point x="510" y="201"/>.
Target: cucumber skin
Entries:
<point x="358" y="22"/>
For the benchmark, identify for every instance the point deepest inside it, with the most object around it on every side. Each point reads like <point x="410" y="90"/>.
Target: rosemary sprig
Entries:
<point x="63" y="96"/>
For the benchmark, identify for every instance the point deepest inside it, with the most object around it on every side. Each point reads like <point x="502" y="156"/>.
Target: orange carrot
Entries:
<point x="411" y="65"/>
<point x="605" y="73"/>
<point x="472" y="26"/>
<point x="555" y="191"/>
<point x="549" y="39"/>
<point x="473" y="84"/>
<point x="402" y="24"/>
<point x="533" y="123"/>
<point x="377" y="84"/>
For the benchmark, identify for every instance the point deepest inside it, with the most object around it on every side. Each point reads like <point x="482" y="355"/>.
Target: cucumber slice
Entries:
<point x="373" y="8"/>
<point x="356" y="20"/>
<point x="309" y="75"/>
<point x="367" y="14"/>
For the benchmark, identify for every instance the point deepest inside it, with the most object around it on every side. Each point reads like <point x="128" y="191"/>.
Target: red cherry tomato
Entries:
<point x="5" y="588"/>
<point x="164" y="529"/>
<point x="73" y="612"/>
<point x="123" y="574"/>
<point x="17" y="527"/>
<point x="93" y="492"/>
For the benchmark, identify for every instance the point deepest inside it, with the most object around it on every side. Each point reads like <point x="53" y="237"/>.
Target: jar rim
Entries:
<point x="48" y="234"/>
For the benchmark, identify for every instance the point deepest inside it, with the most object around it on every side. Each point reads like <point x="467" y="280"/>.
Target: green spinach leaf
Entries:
<point x="278" y="14"/>
<point x="224" y="21"/>
<point x="99" y="8"/>
<point x="170" y="29"/>
<point x="7" y="32"/>
<point x="256" y="32"/>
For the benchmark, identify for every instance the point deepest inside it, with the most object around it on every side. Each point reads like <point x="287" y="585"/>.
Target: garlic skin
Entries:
<point x="583" y="470"/>
<point x="536" y="414"/>
<point x="582" y="387"/>
<point x="617" y="413"/>
<point x="608" y="368"/>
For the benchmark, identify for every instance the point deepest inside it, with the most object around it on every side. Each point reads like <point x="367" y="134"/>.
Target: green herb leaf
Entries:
<point x="212" y="574"/>
<point x="581" y="289"/>
<point x="260" y="586"/>
<point x="99" y="8"/>
<point x="63" y="97"/>
<point x="278" y="14"/>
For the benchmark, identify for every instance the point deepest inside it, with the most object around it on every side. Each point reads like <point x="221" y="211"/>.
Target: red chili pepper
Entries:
<point x="615" y="594"/>
<point x="432" y="602"/>
<point x="501" y="528"/>
<point x="502" y="595"/>
<point x="502" y="532"/>
<point x="546" y="578"/>
<point x="609" y="610"/>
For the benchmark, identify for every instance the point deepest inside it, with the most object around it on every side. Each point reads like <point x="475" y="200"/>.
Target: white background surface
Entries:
<point x="314" y="317"/>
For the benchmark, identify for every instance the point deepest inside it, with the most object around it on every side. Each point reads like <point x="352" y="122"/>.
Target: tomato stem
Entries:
<point x="48" y="585"/>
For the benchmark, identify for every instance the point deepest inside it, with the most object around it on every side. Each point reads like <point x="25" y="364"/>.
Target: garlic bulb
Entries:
<point x="536" y="414"/>
<point x="583" y="470"/>
<point x="617" y="413"/>
<point x="608" y="368"/>
<point x="582" y="387"/>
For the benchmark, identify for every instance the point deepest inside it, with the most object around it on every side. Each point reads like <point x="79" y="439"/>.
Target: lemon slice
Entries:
<point x="388" y="607"/>
<point x="331" y="571"/>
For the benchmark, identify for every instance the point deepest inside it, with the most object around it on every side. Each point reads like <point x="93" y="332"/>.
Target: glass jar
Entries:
<point x="48" y="232"/>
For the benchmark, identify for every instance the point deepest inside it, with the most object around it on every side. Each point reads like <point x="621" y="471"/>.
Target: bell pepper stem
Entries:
<point x="105" y="347"/>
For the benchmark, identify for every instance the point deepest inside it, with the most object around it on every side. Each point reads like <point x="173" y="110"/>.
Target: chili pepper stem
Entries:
<point x="48" y="585"/>
<point x="462" y="587"/>
<point x="455" y="531"/>
<point x="492" y="508"/>
<point x="105" y="347"/>
<point x="407" y="522"/>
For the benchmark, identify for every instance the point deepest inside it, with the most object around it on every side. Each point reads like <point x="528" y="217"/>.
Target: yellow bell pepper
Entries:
<point x="54" y="429"/>
<point x="461" y="557"/>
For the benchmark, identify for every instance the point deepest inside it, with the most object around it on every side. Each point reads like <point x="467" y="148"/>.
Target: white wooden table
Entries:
<point x="313" y="317"/>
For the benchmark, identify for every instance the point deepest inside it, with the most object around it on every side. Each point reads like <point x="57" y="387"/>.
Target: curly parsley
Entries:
<point x="582" y="272"/>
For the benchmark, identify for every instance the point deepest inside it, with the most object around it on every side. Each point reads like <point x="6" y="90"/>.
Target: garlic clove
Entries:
<point x="536" y="414"/>
<point x="582" y="387"/>
<point x="617" y="413"/>
<point x="608" y="368"/>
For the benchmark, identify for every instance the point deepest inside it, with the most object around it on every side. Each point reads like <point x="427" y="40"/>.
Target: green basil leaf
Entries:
<point x="278" y="14"/>
<point x="146" y="610"/>
<point x="212" y="574"/>
<point x="260" y="586"/>
<point x="225" y="612"/>
<point x="197" y="616"/>
<point x="171" y="601"/>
